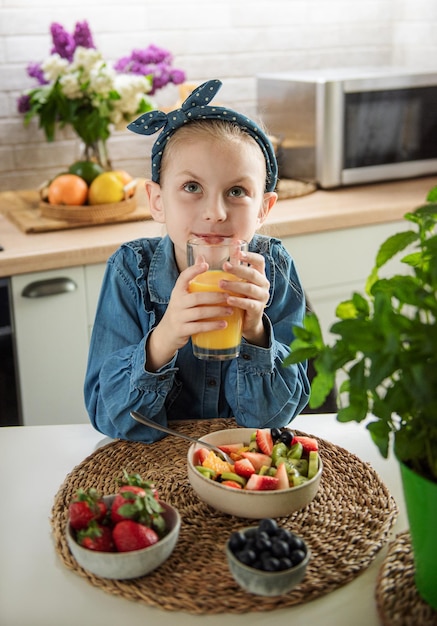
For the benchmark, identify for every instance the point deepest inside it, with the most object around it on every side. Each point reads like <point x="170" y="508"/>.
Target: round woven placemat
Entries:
<point x="398" y="601"/>
<point x="345" y="526"/>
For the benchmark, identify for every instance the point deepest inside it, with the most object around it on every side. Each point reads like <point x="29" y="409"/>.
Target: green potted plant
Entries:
<point x="385" y="347"/>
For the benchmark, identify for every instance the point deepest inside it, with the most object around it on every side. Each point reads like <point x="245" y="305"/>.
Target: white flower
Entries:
<point x="70" y="85"/>
<point x="85" y="59"/>
<point x="54" y="66"/>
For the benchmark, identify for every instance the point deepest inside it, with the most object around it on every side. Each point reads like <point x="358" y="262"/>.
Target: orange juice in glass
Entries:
<point x="217" y="345"/>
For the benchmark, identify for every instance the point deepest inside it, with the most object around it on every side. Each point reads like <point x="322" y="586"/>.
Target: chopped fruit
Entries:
<point x="264" y="440"/>
<point x="234" y="477"/>
<point x="200" y="455"/>
<point x="231" y="447"/>
<point x="313" y="463"/>
<point x="296" y="451"/>
<point x="232" y="483"/>
<point x="206" y="471"/>
<point x="282" y="477"/>
<point x="279" y="452"/>
<point x="286" y="466"/>
<point x="308" y="443"/>
<point x="262" y="483"/>
<point x="213" y="462"/>
<point x="258" y="459"/>
<point x="244" y="467"/>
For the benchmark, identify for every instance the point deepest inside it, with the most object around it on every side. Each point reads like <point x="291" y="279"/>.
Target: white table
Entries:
<point x="37" y="590"/>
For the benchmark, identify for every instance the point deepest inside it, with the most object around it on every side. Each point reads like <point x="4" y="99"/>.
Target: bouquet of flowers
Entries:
<point x="77" y="87"/>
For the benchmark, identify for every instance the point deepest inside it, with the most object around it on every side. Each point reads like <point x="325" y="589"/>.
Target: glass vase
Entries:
<point x="97" y="152"/>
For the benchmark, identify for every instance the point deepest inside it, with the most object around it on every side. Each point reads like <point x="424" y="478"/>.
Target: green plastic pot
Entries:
<point x="421" y="503"/>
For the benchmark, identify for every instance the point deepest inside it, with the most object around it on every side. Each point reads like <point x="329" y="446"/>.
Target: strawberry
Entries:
<point x="129" y="535"/>
<point x="282" y="476"/>
<point x="258" y="459"/>
<point x="232" y="483"/>
<point x="96" y="537"/>
<point x="262" y="483"/>
<point x="264" y="440"/>
<point x="244" y="467"/>
<point x="85" y="507"/>
<point x="308" y="443"/>
<point x="136" y="481"/>
<point x="200" y="455"/>
<point x="126" y="496"/>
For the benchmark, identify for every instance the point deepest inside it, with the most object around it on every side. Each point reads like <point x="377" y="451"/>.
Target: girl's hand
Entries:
<point x="251" y="295"/>
<point x="187" y="314"/>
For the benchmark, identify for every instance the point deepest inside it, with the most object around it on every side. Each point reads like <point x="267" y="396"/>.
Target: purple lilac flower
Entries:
<point x="63" y="42"/>
<point x="151" y="61"/>
<point x="82" y="35"/>
<point x="23" y="104"/>
<point x="177" y="77"/>
<point x="34" y="70"/>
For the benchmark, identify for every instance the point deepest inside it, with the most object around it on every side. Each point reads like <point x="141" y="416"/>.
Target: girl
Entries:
<point x="213" y="175"/>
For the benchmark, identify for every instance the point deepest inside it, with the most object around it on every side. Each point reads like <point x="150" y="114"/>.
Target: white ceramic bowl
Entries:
<point x="262" y="583"/>
<point x="242" y="503"/>
<point x="123" y="565"/>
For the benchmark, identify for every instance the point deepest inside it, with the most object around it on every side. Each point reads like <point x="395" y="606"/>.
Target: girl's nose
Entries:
<point x="215" y="210"/>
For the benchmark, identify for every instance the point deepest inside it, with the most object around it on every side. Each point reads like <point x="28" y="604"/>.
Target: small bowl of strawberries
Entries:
<point x="125" y="535"/>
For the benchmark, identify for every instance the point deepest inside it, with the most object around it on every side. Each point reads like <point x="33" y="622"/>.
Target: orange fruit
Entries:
<point x="106" y="188"/>
<point x="125" y="178"/>
<point x="68" y="189"/>
<point x="215" y="463"/>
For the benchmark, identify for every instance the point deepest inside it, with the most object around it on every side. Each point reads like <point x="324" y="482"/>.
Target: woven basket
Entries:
<point x="92" y="214"/>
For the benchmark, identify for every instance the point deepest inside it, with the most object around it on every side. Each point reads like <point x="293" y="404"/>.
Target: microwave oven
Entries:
<point x="338" y="127"/>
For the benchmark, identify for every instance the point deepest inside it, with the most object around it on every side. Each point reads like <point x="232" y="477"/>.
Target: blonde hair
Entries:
<point x="215" y="129"/>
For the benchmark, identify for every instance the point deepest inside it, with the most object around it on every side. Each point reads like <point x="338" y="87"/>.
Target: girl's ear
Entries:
<point x="269" y="201"/>
<point x="153" y="192"/>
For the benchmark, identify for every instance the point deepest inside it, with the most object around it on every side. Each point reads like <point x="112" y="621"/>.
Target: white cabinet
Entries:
<point x="53" y="316"/>
<point x="334" y="264"/>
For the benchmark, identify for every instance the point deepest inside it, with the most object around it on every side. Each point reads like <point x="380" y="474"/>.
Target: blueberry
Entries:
<point x="246" y="556"/>
<point x="297" y="556"/>
<point x="268" y="525"/>
<point x="280" y="548"/>
<point x="275" y="433"/>
<point x="286" y="437"/>
<point x="269" y="563"/>
<point x="237" y="541"/>
<point x="285" y="563"/>
<point x="263" y="542"/>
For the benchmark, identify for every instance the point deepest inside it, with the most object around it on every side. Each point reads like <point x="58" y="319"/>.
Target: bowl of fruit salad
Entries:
<point x="125" y="535"/>
<point x="267" y="560"/>
<point x="273" y="471"/>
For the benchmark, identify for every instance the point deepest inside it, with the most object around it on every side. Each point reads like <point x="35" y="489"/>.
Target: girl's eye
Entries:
<point x="192" y="188"/>
<point x="237" y="192"/>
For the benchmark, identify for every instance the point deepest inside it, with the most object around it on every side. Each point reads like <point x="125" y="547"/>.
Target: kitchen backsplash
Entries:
<point x="232" y="40"/>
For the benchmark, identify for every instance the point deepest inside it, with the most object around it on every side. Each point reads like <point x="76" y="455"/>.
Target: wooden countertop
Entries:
<point x="317" y="212"/>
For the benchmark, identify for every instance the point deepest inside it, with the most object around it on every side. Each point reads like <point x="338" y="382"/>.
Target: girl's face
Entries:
<point x="211" y="187"/>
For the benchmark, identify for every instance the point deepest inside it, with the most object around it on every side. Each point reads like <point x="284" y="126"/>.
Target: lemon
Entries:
<point x="88" y="170"/>
<point x="106" y="188"/>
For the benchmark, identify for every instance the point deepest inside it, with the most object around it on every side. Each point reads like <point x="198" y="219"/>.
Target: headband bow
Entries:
<point x="196" y="107"/>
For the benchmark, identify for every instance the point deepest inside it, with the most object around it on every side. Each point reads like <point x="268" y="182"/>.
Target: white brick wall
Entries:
<point x="233" y="40"/>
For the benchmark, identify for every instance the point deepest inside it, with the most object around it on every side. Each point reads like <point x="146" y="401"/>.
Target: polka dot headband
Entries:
<point x="196" y="107"/>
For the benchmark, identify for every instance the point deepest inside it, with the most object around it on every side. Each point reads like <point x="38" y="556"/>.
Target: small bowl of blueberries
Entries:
<point x="267" y="560"/>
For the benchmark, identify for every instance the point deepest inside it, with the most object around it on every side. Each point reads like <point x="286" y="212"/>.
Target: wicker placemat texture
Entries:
<point x="345" y="526"/>
<point x="398" y="601"/>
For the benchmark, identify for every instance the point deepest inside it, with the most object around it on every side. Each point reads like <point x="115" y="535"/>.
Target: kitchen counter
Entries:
<point x="317" y="212"/>
<point x="38" y="589"/>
